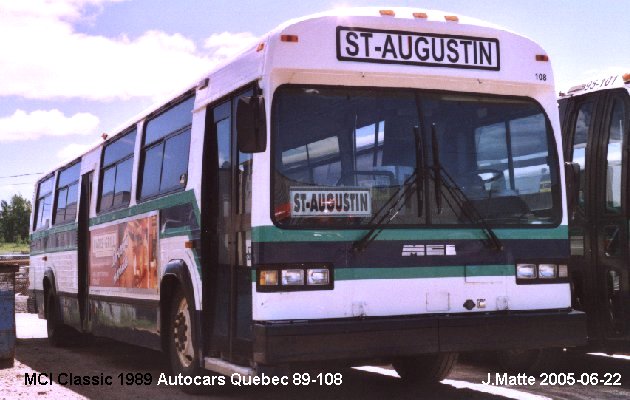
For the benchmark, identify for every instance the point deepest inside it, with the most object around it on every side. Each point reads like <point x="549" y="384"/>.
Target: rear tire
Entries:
<point x="58" y="333"/>
<point x="425" y="369"/>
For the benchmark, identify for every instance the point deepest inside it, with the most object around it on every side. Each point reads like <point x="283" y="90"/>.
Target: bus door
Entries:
<point x="84" y="247"/>
<point x="611" y="214"/>
<point x="227" y="225"/>
<point x="578" y="126"/>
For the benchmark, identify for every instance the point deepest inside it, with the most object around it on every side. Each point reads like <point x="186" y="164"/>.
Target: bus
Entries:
<point x="595" y="118"/>
<point x="361" y="186"/>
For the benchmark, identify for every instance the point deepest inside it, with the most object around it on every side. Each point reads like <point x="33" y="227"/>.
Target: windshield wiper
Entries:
<point x="392" y="212"/>
<point x="454" y="190"/>
<point x="437" y="168"/>
<point x="418" y="176"/>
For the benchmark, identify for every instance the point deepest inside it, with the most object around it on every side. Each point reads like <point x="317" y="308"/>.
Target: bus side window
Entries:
<point x="614" y="158"/>
<point x="580" y="142"/>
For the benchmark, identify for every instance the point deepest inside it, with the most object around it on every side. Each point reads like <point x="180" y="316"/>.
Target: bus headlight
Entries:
<point x="268" y="278"/>
<point x="292" y="277"/>
<point x="317" y="276"/>
<point x="526" y="271"/>
<point x="547" y="271"/>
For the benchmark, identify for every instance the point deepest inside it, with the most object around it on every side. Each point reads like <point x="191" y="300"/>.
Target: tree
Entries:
<point x="14" y="219"/>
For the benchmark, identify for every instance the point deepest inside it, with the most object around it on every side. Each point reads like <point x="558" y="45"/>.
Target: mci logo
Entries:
<point x="420" y="250"/>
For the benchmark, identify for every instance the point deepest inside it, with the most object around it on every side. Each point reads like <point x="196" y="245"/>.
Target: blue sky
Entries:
<point x="73" y="69"/>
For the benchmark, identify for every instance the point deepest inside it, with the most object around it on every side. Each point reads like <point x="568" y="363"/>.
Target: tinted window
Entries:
<point x="580" y="142"/>
<point x="116" y="172"/>
<point x="67" y="194"/>
<point x="614" y="158"/>
<point x="44" y="204"/>
<point x="166" y="149"/>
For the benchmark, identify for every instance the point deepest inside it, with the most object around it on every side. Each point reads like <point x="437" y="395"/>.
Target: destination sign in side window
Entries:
<point x="413" y="48"/>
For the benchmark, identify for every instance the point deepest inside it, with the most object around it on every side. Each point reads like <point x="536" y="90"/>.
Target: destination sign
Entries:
<point x="413" y="48"/>
<point x="331" y="202"/>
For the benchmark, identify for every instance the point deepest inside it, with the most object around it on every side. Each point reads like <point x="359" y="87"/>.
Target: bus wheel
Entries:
<point x="528" y="361"/>
<point x="425" y="369"/>
<point x="182" y="354"/>
<point x="57" y="332"/>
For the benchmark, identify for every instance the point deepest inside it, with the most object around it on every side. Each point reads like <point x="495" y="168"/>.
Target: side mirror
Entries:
<point x="572" y="177"/>
<point x="251" y="127"/>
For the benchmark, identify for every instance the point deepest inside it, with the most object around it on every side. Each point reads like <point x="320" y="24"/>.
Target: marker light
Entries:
<point x="542" y="57"/>
<point x="389" y="13"/>
<point x="317" y="276"/>
<point x="268" y="278"/>
<point x="452" y="18"/>
<point x="626" y="78"/>
<point x="547" y="271"/>
<point x="420" y="15"/>
<point x="526" y="271"/>
<point x="289" y="38"/>
<point x="292" y="277"/>
<point x="563" y="271"/>
<point x="260" y="47"/>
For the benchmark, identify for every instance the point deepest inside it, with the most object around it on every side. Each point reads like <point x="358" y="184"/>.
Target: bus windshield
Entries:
<point x="341" y="154"/>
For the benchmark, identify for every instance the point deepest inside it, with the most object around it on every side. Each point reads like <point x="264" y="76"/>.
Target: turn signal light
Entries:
<point x="542" y="57"/>
<point x="289" y="38"/>
<point x="626" y="78"/>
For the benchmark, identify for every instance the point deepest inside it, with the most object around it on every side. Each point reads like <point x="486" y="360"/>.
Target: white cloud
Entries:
<point x="49" y="59"/>
<point x="226" y="44"/>
<point x="27" y="126"/>
<point x="73" y="150"/>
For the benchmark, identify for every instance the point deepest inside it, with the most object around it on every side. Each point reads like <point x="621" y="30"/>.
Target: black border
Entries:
<point x="556" y="190"/>
<point x="418" y="63"/>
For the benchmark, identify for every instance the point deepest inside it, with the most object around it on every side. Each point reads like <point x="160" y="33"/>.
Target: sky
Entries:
<point x="71" y="70"/>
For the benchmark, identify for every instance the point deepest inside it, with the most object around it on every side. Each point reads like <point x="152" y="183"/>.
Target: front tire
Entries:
<point x="183" y="355"/>
<point x="425" y="369"/>
<point x="529" y="361"/>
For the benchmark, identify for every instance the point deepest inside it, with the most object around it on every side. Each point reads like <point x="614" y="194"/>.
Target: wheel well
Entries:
<point x="167" y="287"/>
<point x="47" y="288"/>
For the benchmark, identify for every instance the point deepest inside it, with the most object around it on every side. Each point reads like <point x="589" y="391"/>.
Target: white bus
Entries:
<point x="355" y="188"/>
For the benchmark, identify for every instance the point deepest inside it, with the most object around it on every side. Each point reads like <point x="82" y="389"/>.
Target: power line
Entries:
<point x="20" y="175"/>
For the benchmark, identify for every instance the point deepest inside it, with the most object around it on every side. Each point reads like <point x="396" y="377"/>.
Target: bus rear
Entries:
<point x="410" y="203"/>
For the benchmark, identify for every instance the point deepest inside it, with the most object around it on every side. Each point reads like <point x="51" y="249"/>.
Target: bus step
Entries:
<point x="226" y="368"/>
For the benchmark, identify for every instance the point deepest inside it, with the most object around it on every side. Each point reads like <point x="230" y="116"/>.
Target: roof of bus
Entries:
<point x="615" y="81"/>
<point x="245" y="57"/>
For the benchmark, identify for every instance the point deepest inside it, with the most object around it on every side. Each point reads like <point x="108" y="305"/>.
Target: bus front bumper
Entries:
<point x="391" y="337"/>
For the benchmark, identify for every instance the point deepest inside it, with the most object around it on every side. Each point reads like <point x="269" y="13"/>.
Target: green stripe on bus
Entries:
<point x="151" y="205"/>
<point x="55" y="229"/>
<point x="451" y="271"/>
<point x="274" y="234"/>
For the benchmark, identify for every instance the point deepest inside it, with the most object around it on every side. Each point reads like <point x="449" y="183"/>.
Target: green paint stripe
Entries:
<point x="451" y="271"/>
<point x="55" y="229"/>
<point x="55" y="250"/>
<point x="345" y="274"/>
<point x="157" y="204"/>
<point x="275" y="234"/>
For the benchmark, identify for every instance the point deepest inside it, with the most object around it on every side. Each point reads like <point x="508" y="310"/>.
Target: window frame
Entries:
<point x="39" y="198"/>
<point x="552" y="155"/>
<point x="144" y="147"/>
<point x="103" y="168"/>
<point x="65" y="187"/>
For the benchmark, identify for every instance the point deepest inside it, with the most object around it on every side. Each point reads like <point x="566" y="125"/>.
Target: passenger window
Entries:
<point x="67" y="194"/>
<point x="580" y="141"/>
<point x="614" y="158"/>
<point x="116" y="172"/>
<point x="44" y="204"/>
<point x="165" y="151"/>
